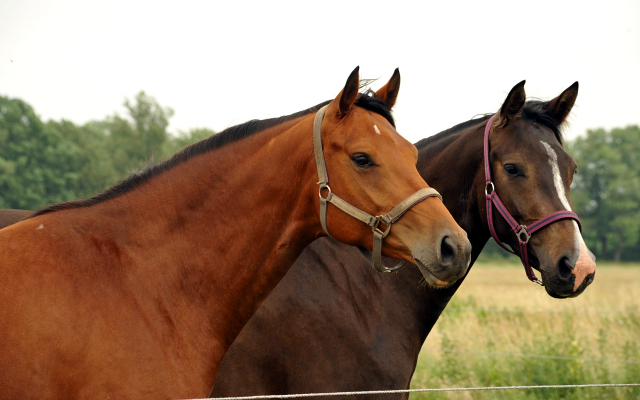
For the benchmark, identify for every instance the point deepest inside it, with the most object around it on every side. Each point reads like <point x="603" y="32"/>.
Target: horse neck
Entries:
<point x="453" y="165"/>
<point x="212" y="236"/>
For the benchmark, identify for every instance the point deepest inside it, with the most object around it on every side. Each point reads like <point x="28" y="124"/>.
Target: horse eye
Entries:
<point x="362" y="160"/>
<point x="511" y="170"/>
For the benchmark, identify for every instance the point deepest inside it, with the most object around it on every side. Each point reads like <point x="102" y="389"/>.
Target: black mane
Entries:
<point x="227" y="136"/>
<point x="535" y="110"/>
<point x="457" y="128"/>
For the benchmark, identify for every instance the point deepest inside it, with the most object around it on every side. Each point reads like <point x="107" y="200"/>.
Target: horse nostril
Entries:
<point x="589" y="279"/>
<point x="447" y="251"/>
<point x="564" y="268"/>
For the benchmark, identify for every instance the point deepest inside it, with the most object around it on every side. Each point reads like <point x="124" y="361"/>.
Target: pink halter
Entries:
<point x="522" y="232"/>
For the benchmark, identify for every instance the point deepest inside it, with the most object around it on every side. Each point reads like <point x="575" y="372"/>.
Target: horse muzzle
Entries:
<point x="447" y="261"/>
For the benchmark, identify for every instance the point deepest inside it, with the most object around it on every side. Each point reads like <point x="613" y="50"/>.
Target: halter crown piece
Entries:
<point x="522" y="232"/>
<point x="374" y="222"/>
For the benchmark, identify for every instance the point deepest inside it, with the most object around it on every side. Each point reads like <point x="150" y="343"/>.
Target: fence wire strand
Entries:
<point x="401" y="391"/>
<point x="533" y="311"/>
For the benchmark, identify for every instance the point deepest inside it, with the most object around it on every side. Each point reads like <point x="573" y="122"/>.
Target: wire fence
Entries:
<point x="533" y="311"/>
<point x="403" y="391"/>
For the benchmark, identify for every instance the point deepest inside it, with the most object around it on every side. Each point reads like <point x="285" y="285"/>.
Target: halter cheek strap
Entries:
<point x="374" y="222"/>
<point x="522" y="232"/>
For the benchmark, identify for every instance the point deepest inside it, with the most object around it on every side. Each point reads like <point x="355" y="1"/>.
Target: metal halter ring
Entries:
<point x="486" y="188"/>
<point x="523" y="231"/>
<point x="324" y="186"/>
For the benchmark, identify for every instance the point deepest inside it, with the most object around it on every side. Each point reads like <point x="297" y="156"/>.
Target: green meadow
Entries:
<point x="502" y="330"/>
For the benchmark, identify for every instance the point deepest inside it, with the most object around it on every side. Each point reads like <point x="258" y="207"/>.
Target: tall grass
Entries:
<point x="502" y="330"/>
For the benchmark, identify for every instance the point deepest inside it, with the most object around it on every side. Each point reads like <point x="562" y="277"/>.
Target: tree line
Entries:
<point x="48" y="162"/>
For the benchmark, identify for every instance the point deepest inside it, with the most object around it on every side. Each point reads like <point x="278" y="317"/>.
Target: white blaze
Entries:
<point x="557" y="179"/>
<point x="562" y="195"/>
<point x="585" y="264"/>
<point x="375" y="128"/>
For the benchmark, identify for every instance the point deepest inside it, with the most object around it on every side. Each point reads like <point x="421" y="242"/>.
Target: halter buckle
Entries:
<point x="523" y="233"/>
<point x="376" y="228"/>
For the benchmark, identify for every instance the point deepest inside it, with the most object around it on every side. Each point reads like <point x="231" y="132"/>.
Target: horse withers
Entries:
<point x="139" y="291"/>
<point x="333" y="325"/>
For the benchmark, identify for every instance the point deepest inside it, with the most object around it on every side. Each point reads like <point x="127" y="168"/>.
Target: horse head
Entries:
<point x="374" y="168"/>
<point x="532" y="173"/>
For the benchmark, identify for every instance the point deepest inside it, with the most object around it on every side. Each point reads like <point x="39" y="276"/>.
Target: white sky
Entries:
<point x="219" y="63"/>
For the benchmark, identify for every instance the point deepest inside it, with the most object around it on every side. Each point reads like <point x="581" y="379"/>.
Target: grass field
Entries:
<point x="502" y="330"/>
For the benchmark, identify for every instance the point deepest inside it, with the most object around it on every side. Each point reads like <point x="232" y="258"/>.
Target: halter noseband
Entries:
<point x="522" y="232"/>
<point x="374" y="222"/>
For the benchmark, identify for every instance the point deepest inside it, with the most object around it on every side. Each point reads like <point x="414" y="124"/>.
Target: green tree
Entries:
<point x="606" y="190"/>
<point x="150" y="124"/>
<point x="132" y="142"/>
<point x="36" y="165"/>
<point x="59" y="161"/>
<point x="184" y="139"/>
<point x="96" y="166"/>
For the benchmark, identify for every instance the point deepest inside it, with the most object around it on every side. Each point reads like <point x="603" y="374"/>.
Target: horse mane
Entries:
<point x="535" y="110"/>
<point x="229" y="135"/>
<point x="455" y="129"/>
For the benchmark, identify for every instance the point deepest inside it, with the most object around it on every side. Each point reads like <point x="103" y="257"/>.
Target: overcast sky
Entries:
<point x="219" y="63"/>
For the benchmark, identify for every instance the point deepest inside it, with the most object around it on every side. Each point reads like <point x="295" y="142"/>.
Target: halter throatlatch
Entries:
<point x="522" y="232"/>
<point x="381" y="225"/>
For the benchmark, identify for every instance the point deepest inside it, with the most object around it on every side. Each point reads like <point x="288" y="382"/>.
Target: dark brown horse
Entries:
<point x="139" y="291"/>
<point x="333" y="324"/>
<point x="10" y="217"/>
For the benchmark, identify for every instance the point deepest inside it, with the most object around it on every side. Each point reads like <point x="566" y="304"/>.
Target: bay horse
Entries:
<point x="139" y="291"/>
<point x="333" y="325"/>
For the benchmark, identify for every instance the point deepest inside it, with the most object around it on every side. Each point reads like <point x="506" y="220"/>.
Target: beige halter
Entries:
<point x="374" y="222"/>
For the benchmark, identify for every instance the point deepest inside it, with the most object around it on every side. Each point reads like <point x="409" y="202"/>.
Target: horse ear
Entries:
<point x="349" y="93"/>
<point x="389" y="92"/>
<point x="561" y="106"/>
<point x="514" y="102"/>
